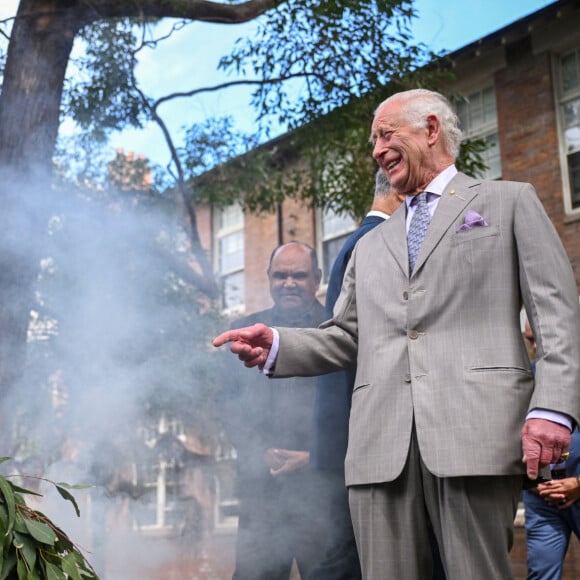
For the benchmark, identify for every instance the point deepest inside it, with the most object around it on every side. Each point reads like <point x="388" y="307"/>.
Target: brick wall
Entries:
<point x="262" y="236"/>
<point x="528" y="135"/>
<point x="528" y="128"/>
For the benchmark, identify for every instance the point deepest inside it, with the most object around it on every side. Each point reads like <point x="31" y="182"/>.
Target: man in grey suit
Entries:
<point x="332" y="409"/>
<point x="446" y="415"/>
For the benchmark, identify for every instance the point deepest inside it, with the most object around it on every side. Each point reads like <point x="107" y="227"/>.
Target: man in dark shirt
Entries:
<point x="280" y="508"/>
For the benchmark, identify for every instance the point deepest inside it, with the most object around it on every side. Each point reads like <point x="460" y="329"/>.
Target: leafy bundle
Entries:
<point x="32" y="547"/>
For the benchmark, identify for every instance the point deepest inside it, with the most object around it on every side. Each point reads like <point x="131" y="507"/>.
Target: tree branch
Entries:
<point x="204" y="10"/>
<point x="6" y="21"/>
<point x="206" y="281"/>
<point x="230" y="84"/>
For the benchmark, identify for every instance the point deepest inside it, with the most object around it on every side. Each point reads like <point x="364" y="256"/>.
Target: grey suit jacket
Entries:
<point x="444" y="348"/>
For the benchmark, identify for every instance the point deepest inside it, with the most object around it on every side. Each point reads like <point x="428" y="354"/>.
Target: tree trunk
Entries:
<point x="39" y="50"/>
<point x="38" y="54"/>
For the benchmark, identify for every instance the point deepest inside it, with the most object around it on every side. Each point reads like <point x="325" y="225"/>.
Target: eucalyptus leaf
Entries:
<point x="69" y="566"/>
<point x="41" y="532"/>
<point x="23" y="490"/>
<point x="3" y="520"/>
<point x="21" y="569"/>
<point x="53" y="573"/>
<point x="76" y="486"/>
<point x="34" y="548"/>
<point x="8" y="493"/>
<point x="68" y="496"/>
<point x="19" y="525"/>
<point x="8" y="566"/>
<point x="27" y="548"/>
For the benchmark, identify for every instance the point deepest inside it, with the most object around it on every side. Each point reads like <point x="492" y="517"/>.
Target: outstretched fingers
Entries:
<point x="251" y="344"/>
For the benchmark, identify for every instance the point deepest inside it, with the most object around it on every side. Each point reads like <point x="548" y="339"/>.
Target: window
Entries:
<point x="334" y="229"/>
<point x="226" y="505"/>
<point x="230" y="255"/>
<point x="569" y="89"/>
<point x="478" y="120"/>
<point x="162" y="504"/>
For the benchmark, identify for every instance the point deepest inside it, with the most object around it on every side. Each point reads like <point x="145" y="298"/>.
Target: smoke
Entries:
<point x="114" y="385"/>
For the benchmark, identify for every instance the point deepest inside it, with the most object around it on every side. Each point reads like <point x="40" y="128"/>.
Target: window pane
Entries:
<point x="569" y="67"/>
<point x="492" y="157"/>
<point x="461" y="109"/>
<point x="574" y="170"/>
<point x="489" y="112"/>
<point x="233" y="290"/>
<point x="231" y="252"/>
<point x="334" y="224"/>
<point x="572" y="125"/>
<point x="330" y="250"/>
<point x="476" y="110"/>
<point x="231" y="217"/>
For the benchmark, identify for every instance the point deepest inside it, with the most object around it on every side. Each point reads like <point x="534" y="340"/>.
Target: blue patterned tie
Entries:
<point x="417" y="228"/>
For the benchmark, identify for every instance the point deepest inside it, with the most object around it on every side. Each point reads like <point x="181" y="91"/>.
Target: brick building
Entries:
<point x="518" y="88"/>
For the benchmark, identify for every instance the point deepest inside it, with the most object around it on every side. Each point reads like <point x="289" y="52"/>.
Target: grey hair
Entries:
<point x="382" y="184"/>
<point x="420" y="103"/>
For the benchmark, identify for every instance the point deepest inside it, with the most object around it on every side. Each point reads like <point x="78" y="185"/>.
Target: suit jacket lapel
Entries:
<point x="395" y="236"/>
<point x="457" y="195"/>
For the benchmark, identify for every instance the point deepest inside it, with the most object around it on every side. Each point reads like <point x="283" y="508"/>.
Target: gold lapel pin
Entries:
<point x="453" y="192"/>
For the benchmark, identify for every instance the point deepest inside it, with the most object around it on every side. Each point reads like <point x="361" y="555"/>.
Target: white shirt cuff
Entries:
<point x="271" y="360"/>
<point x="550" y="416"/>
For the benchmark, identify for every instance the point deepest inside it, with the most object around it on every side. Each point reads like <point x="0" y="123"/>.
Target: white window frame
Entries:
<point x="222" y="232"/>
<point x="226" y="510"/>
<point x="165" y="485"/>
<point x="487" y="129"/>
<point x="563" y="98"/>
<point x="324" y="238"/>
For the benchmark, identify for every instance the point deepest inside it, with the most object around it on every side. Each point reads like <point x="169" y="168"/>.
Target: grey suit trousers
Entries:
<point x="471" y="517"/>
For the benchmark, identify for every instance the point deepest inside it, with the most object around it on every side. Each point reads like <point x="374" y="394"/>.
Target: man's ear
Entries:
<point x="433" y="129"/>
<point x="318" y="277"/>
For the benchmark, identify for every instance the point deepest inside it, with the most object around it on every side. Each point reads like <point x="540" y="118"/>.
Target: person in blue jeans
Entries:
<point x="552" y="510"/>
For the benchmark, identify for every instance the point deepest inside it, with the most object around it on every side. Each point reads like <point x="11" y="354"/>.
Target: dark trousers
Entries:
<point x="279" y="521"/>
<point x="340" y="560"/>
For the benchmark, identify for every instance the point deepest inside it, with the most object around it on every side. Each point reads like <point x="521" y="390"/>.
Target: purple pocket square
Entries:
<point x="472" y="220"/>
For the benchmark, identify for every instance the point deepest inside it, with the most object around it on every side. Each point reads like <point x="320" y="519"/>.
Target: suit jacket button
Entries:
<point x="407" y="377"/>
<point x="412" y="334"/>
<point x="405" y="295"/>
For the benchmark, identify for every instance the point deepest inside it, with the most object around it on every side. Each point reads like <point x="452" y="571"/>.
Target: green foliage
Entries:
<point x="316" y="56"/>
<point x="470" y="159"/>
<point x="32" y="547"/>
<point x="222" y="163"/>
<point x="320" y="69"/>
<point x="325" y="66"/>
<point x="80" y="160"/>
<point x="129" y="173"/>
<point x="100" y="95"/>
<point x="213" y="143"/>
<point x="327" y="163"/>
